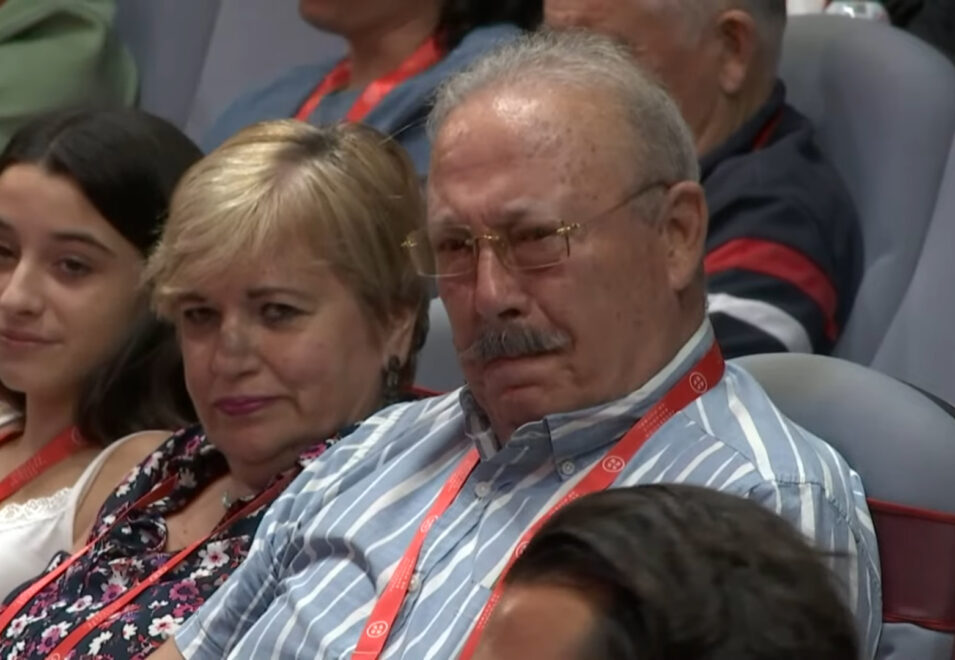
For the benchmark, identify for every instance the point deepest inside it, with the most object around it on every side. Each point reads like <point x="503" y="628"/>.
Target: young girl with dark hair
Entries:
<point x="83" y="361"/>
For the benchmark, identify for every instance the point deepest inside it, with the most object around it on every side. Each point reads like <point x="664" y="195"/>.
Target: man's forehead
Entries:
<point x="567" y="127"/>
<point x="514" y="108"/>
<point x="542" y="160"/>
<point x="528" y="121"/>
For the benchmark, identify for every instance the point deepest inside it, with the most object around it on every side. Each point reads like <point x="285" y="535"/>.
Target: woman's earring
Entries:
<point x="391" y="378"/>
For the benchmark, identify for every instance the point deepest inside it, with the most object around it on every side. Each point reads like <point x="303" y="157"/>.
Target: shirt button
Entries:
<point x="482" y="490"/>
<point x="567" y="468"/>
<point x="414" y="584"/>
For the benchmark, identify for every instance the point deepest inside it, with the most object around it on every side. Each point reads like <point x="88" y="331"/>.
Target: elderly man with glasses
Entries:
<point x="574" y="285"/>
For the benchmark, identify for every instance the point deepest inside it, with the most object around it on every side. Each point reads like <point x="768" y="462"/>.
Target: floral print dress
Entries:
<point x="128" y="552"/>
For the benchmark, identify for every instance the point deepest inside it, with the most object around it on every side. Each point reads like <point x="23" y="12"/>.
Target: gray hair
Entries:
<point x="589" y="62"/>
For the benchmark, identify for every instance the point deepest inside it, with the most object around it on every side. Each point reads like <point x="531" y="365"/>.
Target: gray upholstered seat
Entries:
<point x="438" y="367"/>
<point x="903" y="446"/>
<point x="196" y="56"/>
<point x="253" y="42"/>
<point x="920" y="344"/>
<point x="168" y="39"/>
<point x="883" y="103"/>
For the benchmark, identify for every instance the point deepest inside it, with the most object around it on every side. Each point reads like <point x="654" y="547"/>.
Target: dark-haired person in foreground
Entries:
<point x="783" y="250"/>
<point x="569" y="259"/>
<point x="666" y="572"/>
<point x="399" y="51"/>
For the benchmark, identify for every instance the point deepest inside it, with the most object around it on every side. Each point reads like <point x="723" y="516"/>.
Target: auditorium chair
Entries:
<point x="196" y="56"/>
<point x="883" y="103"/>
<point x="438" y="363"/>
<point x="903" y="445"/>
<point x="920" y="344"/>
<point x="168" y="40"/>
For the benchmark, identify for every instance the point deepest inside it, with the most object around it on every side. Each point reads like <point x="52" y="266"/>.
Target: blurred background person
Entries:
<point x="805" y="6"/>
<point x="784" y="250"/>
<point x="399" y="51"/>
<point x="298" y="314"/>
<point x="82" y="198"/>
<point x="55" y="55"/>
<point x="664" y="572"/>
<point x="931" y="20"/>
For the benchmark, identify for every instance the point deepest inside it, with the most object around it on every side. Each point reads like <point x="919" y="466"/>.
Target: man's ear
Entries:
<point x="683" y="228"/>
<point x="739" y="47"/>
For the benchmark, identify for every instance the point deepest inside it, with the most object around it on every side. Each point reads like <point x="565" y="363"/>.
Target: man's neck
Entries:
<point x="728" y="116"/>
<point x="677" y="339"/>
<point x="375" y="53"/>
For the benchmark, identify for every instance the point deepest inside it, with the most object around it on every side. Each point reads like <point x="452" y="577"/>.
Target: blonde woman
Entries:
<point x="298" y="314"/>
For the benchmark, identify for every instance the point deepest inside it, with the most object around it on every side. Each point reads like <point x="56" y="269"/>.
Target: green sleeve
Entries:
<point x="59" y="53"/>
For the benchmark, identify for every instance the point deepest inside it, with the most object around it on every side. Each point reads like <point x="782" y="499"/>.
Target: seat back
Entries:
<point x="253" y="42"/>
<point x="438" y="366"/>
<point x="883" y="104"/>
<point x="903" y="446"/>
<point x="920" y="344"/>
<point x="168" y="40"/>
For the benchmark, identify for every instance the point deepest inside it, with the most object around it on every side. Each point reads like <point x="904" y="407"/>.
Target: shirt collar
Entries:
<point x="574" y="433"/>
<point x="743" y="140"/>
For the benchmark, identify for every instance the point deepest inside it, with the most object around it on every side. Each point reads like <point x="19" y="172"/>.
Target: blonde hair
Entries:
<point x="346" y="190"/>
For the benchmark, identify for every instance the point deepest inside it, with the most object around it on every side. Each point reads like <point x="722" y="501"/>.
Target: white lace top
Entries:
<point x="32" y="532"/>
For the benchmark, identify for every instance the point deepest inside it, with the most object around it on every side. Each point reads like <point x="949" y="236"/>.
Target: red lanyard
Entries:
<point x="767" y="131"/>
<point x="63" y="649"/>
<point x="61" y="447"/>
<point x="700" y="379"/>
<point x="427" y="55"/>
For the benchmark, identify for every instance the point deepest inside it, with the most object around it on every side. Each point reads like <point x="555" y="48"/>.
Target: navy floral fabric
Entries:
<point x="129" y="551"/>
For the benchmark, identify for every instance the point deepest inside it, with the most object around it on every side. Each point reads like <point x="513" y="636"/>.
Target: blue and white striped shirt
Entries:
<point x="329" y="544"/>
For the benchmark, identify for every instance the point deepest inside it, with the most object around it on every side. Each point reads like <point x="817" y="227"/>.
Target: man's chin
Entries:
<point x="522" y="388"/>
<point x="520" y="399"/>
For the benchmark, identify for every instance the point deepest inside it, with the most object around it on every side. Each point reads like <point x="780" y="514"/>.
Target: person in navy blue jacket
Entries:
<point x="399" y="51"/>
<point x="784" y="250"/>
<point x="931" y="20"/>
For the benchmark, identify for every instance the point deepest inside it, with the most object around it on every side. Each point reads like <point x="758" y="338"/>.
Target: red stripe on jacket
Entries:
<point x="784" y="263"/>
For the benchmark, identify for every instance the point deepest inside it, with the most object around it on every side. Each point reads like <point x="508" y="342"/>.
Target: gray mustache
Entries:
<point x="513" y="341"/>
